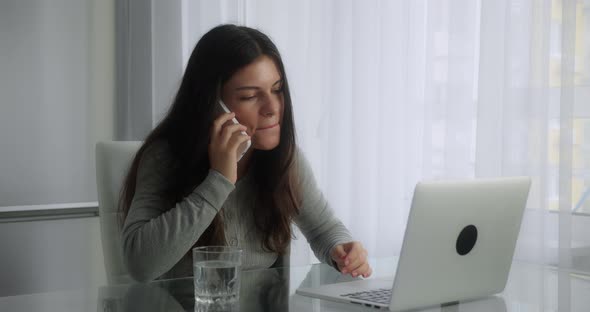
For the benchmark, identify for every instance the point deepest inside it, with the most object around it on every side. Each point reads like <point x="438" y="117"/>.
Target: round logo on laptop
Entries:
<point x="466" y="240"/>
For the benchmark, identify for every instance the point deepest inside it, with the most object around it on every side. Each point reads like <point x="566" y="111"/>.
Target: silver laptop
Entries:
<point x="458" y="245"/>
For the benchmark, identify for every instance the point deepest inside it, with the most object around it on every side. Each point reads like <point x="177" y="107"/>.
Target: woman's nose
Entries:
<point x="271" y="107"/>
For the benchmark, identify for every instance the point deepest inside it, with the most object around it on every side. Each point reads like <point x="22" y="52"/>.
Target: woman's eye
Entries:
<point x="248" y="98"/>
<point x="278" y="90"/>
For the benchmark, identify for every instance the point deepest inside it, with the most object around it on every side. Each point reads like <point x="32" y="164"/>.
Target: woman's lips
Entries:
<point x="269" y="127"/>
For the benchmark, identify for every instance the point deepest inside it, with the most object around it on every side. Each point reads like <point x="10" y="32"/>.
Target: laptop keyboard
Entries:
<point x="381" y="295"/>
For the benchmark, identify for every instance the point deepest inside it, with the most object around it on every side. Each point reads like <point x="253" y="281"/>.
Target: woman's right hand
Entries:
<point x="226" y="137"/>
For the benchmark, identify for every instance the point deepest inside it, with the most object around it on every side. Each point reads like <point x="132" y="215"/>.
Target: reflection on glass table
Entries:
<point x="530" y="288"/>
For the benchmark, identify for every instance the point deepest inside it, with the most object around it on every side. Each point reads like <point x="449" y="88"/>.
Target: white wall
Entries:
<point x="43" y="256"/>
<point x="73" y="72"/>
<point x="56" y="98"/>
<point x="57" y="70"/>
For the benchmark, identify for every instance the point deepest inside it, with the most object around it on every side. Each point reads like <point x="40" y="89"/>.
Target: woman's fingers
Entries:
<point x="360" y="257"/>
<point x="227" y="132"/>
<point x="351" y="258"/>
<point x="361" y="270"/>
<point x="219" y="122"/>
<point x="338" y="255"/>
<point x="355" y="256"/>
<point x="236" y="140"/>
<point x="223" y="146"/>
<point x="368" y="273"/>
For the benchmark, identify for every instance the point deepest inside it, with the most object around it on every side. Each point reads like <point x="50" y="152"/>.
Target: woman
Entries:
<point x="186" y="188"/>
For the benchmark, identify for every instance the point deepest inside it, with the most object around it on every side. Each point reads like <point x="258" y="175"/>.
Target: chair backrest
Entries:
<point x="112" y="162"/>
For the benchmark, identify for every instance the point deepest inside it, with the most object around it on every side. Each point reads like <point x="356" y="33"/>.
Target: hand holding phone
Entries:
<point x="243" y="148"/>
<point x="228" y="143"/>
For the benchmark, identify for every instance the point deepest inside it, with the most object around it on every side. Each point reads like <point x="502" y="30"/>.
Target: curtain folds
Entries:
<point x="388" y="93"/>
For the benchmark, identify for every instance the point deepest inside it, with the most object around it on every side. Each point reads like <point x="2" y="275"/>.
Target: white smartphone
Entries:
<point x="243" y="148"/>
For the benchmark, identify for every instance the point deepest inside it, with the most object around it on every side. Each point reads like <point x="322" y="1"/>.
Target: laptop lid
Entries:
<point x="459" y="241"/>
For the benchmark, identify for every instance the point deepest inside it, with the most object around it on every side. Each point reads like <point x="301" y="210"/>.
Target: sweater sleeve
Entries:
<point x="156" y="236"/>
<point x="316" y="220"/>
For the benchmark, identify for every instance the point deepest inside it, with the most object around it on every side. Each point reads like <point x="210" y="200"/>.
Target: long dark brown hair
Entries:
<point x="186" y="129"/>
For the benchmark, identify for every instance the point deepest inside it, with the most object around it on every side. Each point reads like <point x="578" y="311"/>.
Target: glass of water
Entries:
<point x="216" y="272"/>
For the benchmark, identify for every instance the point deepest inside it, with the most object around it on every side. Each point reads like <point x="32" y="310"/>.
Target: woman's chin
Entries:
<point x="266" y="145"/>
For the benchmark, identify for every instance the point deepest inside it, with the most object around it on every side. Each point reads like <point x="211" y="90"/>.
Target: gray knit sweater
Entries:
<point x="156" y="237"/>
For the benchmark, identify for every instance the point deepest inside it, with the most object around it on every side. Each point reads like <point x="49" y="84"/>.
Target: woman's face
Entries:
<point x="255" y="94"/>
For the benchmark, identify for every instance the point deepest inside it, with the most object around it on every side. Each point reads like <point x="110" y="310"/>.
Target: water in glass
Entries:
<point x="216" y="282"/>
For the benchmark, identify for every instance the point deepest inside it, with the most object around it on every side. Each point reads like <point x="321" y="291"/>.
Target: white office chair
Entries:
<point x="112" y="162"/>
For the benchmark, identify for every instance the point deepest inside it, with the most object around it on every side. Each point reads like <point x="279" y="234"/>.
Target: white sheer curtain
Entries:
<point x="388" y="93"/>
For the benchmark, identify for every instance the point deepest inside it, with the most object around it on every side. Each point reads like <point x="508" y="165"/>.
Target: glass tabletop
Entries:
<point x="530" y="288"/>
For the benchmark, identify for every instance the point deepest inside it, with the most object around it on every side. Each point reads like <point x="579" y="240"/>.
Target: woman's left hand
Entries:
<point x="351" y="258"/>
